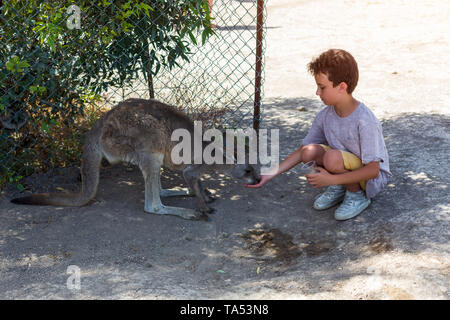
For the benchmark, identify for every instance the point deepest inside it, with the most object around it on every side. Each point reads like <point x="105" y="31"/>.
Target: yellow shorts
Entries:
<point x="351" y="162"/>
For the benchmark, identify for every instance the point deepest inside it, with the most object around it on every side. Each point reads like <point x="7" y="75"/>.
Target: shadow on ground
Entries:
<point x="266" y="243"/>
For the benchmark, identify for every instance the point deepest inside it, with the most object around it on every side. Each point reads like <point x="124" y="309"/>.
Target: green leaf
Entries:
<point x="23" y="64"/>
<point x="191" y="35"/>
<point x="204" y="36"/>
<point x="44" y="126"/>
<point x="10" y="66"/>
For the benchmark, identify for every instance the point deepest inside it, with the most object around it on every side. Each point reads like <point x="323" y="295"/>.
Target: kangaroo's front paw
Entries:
<point x="207" y="210"/>
<point x="201" y="216"/>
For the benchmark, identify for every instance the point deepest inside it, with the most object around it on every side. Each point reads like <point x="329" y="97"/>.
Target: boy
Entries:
<point x="345" y="140"/>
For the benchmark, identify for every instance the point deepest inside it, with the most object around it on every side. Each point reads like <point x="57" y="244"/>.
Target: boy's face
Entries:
<point x="328" y="94"/>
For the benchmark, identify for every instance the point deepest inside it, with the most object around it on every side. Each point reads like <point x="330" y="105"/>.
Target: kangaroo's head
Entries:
<point x="246" y="172"/>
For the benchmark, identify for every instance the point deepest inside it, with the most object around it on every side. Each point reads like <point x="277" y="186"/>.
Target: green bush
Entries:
<point x="50" y="73"/>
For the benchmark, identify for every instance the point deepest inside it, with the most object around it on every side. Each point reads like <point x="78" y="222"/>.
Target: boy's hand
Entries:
<point x="263" y="181"/>
<point x="321" y="179"/>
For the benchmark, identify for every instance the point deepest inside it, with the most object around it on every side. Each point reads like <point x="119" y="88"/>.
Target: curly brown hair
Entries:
<point x="338" y="65"/>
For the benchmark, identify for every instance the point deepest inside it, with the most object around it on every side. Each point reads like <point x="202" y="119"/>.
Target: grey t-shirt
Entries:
<point x="359" y="133"/>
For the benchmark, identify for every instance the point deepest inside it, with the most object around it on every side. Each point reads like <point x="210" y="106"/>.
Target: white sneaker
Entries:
<point x="332" y="196"/>
<point x="354" y="203"/>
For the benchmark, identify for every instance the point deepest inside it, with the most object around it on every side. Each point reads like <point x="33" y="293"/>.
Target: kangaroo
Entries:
<point x="139" y="131"/>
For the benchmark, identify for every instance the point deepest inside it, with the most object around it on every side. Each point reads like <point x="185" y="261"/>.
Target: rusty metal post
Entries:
<point x="258" y="69"/>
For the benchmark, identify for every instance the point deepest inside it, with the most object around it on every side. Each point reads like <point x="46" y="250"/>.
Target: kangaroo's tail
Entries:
<point x="90" y="168"/>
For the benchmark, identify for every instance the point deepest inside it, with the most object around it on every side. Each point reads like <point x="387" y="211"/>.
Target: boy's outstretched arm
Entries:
<point x="324" y="179"/>
<point x="292" y="160"/>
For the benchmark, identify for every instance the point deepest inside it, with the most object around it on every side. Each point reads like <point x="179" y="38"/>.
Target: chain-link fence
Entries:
<point x="64" y="63"/>
<point x="219" y="79"/>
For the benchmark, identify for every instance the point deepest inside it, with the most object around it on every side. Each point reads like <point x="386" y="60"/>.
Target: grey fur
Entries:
<point x="139" y="131"/>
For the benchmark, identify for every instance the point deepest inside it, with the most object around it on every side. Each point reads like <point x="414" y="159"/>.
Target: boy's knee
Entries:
<point x="311" y="152"/>
<point x="333" y="161"/>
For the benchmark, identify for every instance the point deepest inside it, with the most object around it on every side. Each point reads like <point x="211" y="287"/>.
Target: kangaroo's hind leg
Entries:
<point x="150" y="165"/>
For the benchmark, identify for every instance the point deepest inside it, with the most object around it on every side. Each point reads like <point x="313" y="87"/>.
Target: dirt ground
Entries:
<point x="269" y="243"/>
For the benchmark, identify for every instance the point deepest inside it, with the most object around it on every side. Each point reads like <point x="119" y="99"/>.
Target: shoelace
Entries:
<point x="351" y="201"/>
<point x="330" y="195"/>
<point x="334" y="191"/>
